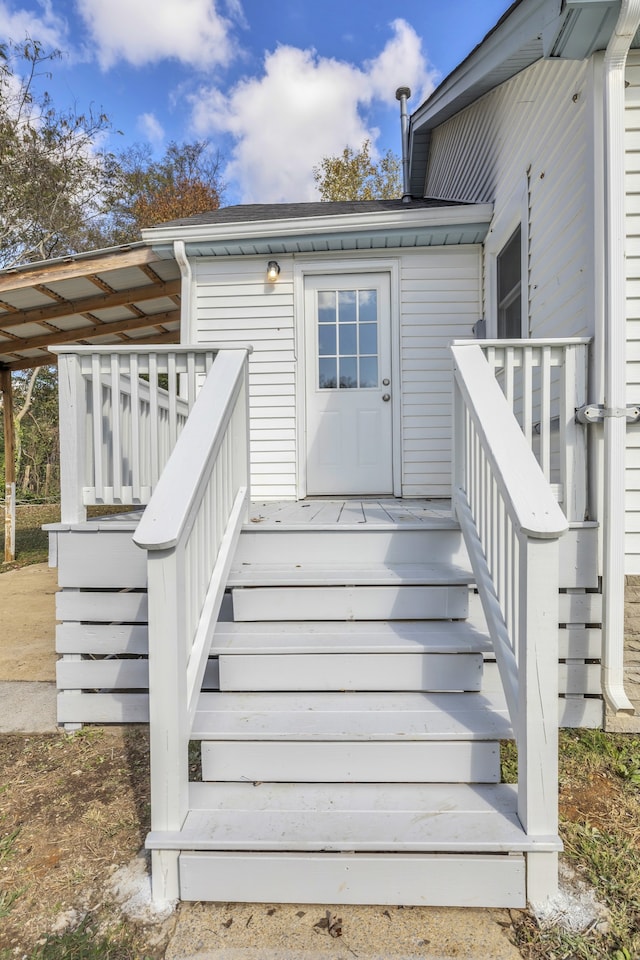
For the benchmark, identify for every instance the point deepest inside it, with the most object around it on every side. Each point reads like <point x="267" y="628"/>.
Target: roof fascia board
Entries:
<point x="345" y="223"/>
<point x="77" y="265"/>
<point x="527" y="22"/>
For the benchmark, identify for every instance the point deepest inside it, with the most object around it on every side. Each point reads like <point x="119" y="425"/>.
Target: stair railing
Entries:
<point x="190" y="531"/>
<point x="545" y="382"/>
<point x="121" y="412"/>
<point x="511" y="523"/>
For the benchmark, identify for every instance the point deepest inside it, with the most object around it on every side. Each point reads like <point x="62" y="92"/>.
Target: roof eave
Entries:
<point x="161" y="238"/>
<point x="530" y="30"/>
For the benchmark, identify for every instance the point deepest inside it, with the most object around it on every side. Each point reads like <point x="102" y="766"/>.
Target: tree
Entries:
<point x="355" y="176"/>
<point x="186" y="181"/>
<point x="53" y="176"/>
<point x="35" y="394"/>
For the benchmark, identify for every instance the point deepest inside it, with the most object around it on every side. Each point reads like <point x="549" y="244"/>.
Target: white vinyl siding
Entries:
<point x="440" y="301"/>
<point x="531" y="137"/>
<point x="235" y="303"/>
<point x="632" y="180"/>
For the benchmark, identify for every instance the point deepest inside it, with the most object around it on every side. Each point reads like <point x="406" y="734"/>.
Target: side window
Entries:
<point x="509" y="264"/>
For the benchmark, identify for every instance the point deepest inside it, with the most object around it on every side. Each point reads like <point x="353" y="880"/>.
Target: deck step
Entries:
<point x="437" y="761"/>
<point x="365" y="636"/>
<point x="362" y="543"/>
<point x="398" y="602"/>
<point x="248" y="574"/>
<point x="357" y="817"/>
<point x="351" y="671"/>
<point x="440" y="880"/>
<point x="351" y="716"/>
<point x="403" y="655"/>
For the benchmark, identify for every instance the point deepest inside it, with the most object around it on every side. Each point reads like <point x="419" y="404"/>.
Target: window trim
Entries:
<point x="505" y="224"/>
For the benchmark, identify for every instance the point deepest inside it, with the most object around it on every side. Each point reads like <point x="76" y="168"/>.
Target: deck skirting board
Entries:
<point x="412" y="879"/>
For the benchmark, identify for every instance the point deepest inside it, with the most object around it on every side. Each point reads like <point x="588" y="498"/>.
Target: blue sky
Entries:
<point x="275" y="84"/>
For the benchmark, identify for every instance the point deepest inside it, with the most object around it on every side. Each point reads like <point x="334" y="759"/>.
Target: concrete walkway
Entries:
<point x="304" y="932"/>
<point x="27" y="706"/>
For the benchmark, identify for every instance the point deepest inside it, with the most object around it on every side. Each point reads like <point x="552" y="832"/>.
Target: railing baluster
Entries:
<point x="98" y="426"/>
<point x="154" y="421"/>
<point x="527" y="395"/>
<point x="136" y="419"/>
<point x="545" y="412"/>
<point x="116" y="428"/>
<point x="173" y="400"/>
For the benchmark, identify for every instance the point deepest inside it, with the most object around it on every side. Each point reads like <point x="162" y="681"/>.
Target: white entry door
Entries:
<point x="348" y="395"/>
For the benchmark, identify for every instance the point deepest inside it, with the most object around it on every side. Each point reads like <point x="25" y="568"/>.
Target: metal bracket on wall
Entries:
<point x="597" y="412"/>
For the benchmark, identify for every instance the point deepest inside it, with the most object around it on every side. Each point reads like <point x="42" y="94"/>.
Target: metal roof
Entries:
<point x="124" y="294"/>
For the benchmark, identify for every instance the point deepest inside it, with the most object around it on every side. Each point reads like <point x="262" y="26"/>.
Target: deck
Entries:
<point x="343" y="512"/>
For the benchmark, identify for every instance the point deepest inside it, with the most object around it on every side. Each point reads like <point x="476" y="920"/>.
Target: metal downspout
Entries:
<point x="615" y="421"/>
<point x="186" y="292"/>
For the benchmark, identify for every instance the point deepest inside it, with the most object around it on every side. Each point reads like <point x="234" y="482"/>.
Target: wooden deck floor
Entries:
<point x="346" y="512"/>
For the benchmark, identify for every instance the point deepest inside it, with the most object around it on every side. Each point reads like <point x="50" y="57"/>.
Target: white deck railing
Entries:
<point x="544" y="383"/>
<point x="511" y="524"/>
<point x="121" y="412"/>
<point x="190" y="530"/>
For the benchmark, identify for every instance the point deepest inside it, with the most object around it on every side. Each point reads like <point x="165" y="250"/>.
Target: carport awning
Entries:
<point x="122" y="295"/>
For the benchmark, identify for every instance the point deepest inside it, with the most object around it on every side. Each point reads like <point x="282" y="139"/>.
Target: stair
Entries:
<point x="351" y="754"/>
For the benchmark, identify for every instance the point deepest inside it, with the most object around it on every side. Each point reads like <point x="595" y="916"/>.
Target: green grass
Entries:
<point x="32" y="542"/>
<point x="86" y="942"/>
<point x="600" y="789"/>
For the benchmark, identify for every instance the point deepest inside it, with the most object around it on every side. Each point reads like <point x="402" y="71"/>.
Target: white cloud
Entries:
<point x="401" y="63"/>
<point x="151" y="128"/>
<point x="46" y="27"/>
<point x="302" y="108"/>
<point x="145" y="31"/>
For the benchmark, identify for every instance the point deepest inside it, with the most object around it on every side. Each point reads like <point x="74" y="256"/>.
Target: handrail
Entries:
<point x="530" y="501"/>
<point x="511" y="524"/>
<point x="190" y="531"/>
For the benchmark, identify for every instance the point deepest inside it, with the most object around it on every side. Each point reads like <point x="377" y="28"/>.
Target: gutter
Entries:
<point x="615" y="413"/>
<point x="424" y="217"/>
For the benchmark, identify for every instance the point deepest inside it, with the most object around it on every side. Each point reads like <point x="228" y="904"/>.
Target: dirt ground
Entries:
<point x="27" y="623"/>
<point x="72" y="808"/>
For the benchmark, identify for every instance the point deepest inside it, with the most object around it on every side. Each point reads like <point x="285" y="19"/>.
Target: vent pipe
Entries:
<point x="403" y="94"/>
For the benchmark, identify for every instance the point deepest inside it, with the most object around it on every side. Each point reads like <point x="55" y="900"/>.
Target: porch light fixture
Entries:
<point x="273" y="270"/>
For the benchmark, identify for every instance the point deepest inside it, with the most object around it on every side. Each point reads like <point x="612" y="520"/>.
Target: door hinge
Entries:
<point x="597" y="412"/>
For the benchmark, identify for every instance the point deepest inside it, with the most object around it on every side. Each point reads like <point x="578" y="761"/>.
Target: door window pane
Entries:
<point x="348" y="373"/>
<point x="368" y="300"/>
<point x="348" y="340"/>
<point x="326" y="306"/>
<point x="326" y="339"/>
<point x="368" y="338"/>
<point x="327" y="379"/>
<point x="347" y="306"/>
<point x="369" y="372"/>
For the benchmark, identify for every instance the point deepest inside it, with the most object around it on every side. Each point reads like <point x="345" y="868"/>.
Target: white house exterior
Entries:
<point x="386" y="515"/>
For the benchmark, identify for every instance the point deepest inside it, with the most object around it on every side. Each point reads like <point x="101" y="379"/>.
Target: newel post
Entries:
<point x="72" y="393"/>
<point x="538" y="716"/>
<point x="168" y="730"/>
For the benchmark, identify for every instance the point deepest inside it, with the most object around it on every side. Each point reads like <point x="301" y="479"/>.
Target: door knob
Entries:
<point x="386" y="397"/>
<point x="386" y="382"/>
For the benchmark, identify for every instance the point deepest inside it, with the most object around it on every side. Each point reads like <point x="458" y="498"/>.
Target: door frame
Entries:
<point x="319" y="266"/>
